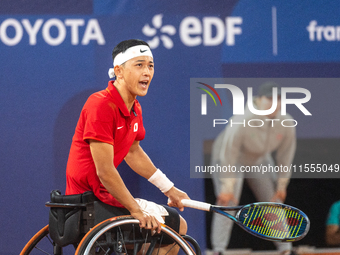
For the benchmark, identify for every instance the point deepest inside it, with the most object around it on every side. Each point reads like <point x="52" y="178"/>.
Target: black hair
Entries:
<point x="124" y="45"/>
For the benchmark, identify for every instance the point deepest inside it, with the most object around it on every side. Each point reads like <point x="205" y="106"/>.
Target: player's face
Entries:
<point x="137" y="74"/>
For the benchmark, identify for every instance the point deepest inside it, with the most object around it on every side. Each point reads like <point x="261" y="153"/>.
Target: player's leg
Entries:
<point x="177" y="223"/>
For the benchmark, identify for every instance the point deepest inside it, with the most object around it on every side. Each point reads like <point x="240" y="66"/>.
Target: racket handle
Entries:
<point x="196" y="204"/>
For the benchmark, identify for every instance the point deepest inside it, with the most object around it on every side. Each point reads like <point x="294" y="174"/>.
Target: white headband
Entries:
<point x="135" y="51"/>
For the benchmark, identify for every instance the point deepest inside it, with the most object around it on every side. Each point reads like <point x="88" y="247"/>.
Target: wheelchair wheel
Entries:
<point x="193" y="243"/>
<point x="39" y="243"/>
<point x="122" y="235"/>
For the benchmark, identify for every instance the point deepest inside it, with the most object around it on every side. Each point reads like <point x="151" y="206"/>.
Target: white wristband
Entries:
<point x="161" y="181"/>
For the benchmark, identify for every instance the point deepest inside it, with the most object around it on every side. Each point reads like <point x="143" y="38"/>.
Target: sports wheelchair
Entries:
<point x="92" y="227"/>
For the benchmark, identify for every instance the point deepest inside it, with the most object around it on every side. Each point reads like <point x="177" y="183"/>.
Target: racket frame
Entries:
<point x="222" y="210"/>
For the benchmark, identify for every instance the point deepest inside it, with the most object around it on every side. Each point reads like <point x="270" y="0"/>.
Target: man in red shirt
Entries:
<point x="109" y="130"/>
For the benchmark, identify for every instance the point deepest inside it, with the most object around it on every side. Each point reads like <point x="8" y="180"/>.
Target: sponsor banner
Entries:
<point x="251" y="33"/>
<point x="52" y="31"/>
<point x="160" y="31"/>
<point x="282" y="31"/>
<point x="232" y="118"/>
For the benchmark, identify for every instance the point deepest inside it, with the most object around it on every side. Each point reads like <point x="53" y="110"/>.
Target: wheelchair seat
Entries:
<point x="72" y="216"/>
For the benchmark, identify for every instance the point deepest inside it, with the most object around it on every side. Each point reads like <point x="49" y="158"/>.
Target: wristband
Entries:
<point x="161" y="181"/>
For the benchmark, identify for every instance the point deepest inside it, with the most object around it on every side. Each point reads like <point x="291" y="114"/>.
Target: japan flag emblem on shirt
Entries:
<point x="135" y="127"/>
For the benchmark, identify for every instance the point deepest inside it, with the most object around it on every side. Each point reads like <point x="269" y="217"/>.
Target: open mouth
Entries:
<point x="143" y="83"/>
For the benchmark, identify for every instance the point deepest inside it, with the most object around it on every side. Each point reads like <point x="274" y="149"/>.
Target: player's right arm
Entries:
<point x="102" y="154"/>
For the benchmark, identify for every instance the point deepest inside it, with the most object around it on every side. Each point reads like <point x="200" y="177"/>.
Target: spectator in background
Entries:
<point x="242" y="145"/>
<point x="333" y="225"/>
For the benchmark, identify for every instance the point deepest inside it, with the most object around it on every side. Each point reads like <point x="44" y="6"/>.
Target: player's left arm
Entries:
<point x="140" y="162"/>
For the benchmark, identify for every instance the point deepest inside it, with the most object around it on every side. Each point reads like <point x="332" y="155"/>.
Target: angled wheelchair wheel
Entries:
<point x="40" y="243"/>
<point x="122" y="235"/>
<point x="193" y="243"/>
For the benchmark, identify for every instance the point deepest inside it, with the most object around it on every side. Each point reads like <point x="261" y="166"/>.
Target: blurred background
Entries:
<point x="54" y="54"/>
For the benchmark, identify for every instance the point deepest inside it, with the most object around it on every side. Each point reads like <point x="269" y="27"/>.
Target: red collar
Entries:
<point x="117" y="98"/>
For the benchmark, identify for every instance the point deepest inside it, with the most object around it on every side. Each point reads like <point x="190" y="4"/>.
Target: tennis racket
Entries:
<point x="269" y="221"/>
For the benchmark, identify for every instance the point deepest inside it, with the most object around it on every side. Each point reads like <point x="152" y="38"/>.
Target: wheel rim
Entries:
<point x="92" y="244"/>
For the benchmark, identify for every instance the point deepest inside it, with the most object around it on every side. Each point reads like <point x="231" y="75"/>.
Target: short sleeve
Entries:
<point x="99" y="120"/>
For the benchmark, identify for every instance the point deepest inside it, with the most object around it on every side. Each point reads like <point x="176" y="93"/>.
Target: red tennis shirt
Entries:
<point x="105" y="118"/>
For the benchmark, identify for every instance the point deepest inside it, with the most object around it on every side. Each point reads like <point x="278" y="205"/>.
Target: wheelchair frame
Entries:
<point x="115" y="235"/>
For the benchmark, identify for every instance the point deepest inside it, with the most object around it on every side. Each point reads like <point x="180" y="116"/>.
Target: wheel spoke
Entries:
<point x="42" y="250"/>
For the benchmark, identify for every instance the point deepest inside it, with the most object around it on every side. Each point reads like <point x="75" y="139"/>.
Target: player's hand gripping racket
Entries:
<point x="270" y="221"/>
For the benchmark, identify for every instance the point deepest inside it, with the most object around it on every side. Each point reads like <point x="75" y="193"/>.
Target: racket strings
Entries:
<point x="274" y="221"/>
